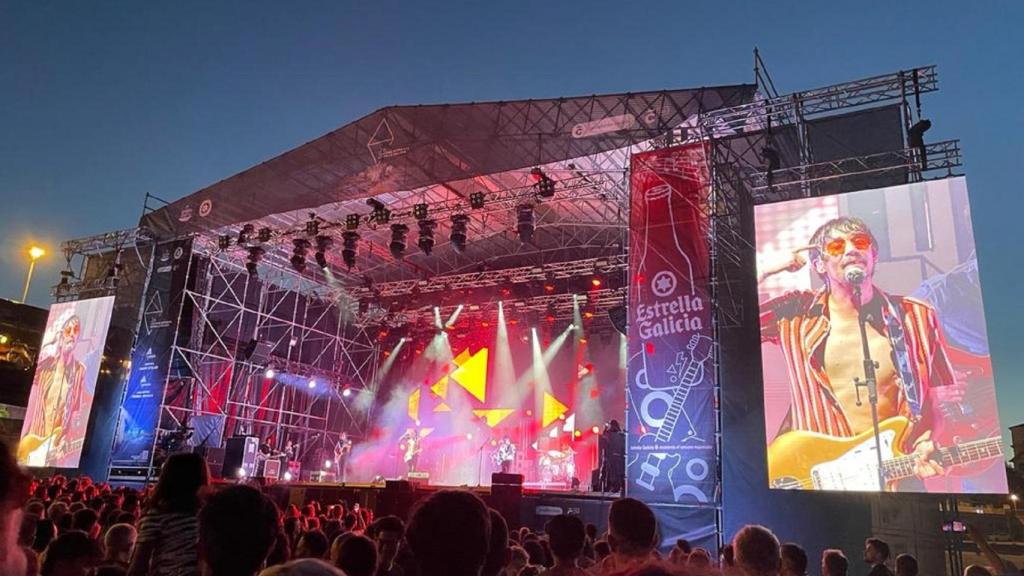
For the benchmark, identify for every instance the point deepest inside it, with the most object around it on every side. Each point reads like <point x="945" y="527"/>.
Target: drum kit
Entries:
<point x="557" y="466"/>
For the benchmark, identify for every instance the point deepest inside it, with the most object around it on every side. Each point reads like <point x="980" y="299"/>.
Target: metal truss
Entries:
<point x="75" y="284"/>
<point x="232" y="327"/>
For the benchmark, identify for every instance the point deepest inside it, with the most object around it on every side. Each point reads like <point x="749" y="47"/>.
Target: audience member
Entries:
<point x="73" y="553"/>
<point x="118" y="543"/>
<point x="977" y="570"/>
<point x="517" y="559"/>
<point x="876" y="554"/>
<point x="794" y="560"/>
<point x="167" y="534"/>
<point x="497" y="550"/>
<point x="303" y="567"/>
<point x="632" y="531"/>
<point x="15" y="487"/>
<point x="699" y="560"/>
<point x="46" y="531"/>
<point x="834" y="563"/>
<point x="237" y="528"/>
<point x="906" y="565"/>
<point x="449" y="534"/>
<point x="87" y="521"/>
<point x="756" y="551"/>
<point x="567" y="535"/>
<point x="387" y="532"/>
<point x="312" y="544"/>
<point x="535" y="552"/>
<point x="357" y="556"/>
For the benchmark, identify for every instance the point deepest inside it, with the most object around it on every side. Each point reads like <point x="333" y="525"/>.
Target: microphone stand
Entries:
<point x="870" y="382"/>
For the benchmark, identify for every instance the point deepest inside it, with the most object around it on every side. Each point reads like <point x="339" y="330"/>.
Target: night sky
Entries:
<point x="100" y="104"/>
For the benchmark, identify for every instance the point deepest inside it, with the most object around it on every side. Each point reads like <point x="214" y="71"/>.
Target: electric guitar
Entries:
<point x="690" y="371"/>
<point x="412" y="448"/>
<point x="812" y="461"/>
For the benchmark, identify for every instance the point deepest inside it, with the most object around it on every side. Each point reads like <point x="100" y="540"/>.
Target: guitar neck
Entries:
<point x="686" y="381"/>
<point x="976" y="451"/>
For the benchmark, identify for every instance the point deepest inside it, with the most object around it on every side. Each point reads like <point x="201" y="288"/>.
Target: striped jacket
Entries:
<point x="798" y="322"/>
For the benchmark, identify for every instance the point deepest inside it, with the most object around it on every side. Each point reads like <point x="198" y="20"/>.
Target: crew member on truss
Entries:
<point x="819" y="334"/>
<point x="505" y="455"/>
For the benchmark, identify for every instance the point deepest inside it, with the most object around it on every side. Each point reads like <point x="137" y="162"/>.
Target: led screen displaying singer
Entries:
<point x="853" y="321"/>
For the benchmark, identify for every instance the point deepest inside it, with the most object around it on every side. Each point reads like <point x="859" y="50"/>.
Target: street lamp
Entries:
<point x="34" y="253"/>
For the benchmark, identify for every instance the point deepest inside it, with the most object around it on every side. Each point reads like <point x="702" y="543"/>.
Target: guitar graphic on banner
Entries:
<point x="686" y="372"/>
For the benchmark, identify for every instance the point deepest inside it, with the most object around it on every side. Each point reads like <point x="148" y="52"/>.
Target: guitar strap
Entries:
<point x="901" y="358"/>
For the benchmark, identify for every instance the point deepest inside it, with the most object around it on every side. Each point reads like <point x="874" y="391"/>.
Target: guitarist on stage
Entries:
<point x="819" y="334"/>
<point x="411" y="445"/>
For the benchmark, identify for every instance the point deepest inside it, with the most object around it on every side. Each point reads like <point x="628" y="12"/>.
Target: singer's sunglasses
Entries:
<point x="837" y="246"/>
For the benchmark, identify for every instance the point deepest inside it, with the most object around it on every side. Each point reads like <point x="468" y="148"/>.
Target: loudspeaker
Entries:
<point x="272" y="469"/>
<point x="240" y="456"/>
<point x="214" y="459"/>
<point x="398" y="486"/>
<point x="396" y="499"/>
<point x="506" y="479"/>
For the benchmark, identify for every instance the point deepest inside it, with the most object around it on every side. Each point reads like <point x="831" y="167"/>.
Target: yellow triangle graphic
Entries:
<point x="494" y="416"/>
<point x="442" y="407"/>
<point x="552" y="409"/>
<point x="462" y="357"/>
<point x="414" y="405"/>
<point x="472" y="375"/>
<point x="441" y="388"/>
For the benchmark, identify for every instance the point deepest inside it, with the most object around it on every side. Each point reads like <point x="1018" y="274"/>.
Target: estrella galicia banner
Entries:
<point x="140" y="409"/>
<point x="670" y="390"/>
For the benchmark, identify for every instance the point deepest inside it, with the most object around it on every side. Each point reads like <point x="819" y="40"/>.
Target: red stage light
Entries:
<point x="485" y="324"/>
<point x="387" y="353"/>
<point x="639" y="279"/>
<point x="596" y="430"/>
<point x="595" y="393"/>
<point x="550" y="318"/>
<point x="529" y="412"/>
<point x="583" y="340"/>
<point x="588" y="315"/>
<point x="649" y="347"/>
<point x="589" y="367"/>
<point x="577" y="433"/>
<point x="596" y="282"/>
<point x="513" y="321"/>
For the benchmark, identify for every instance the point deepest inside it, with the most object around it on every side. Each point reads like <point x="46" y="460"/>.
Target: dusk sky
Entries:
<point x="103" y="102"/>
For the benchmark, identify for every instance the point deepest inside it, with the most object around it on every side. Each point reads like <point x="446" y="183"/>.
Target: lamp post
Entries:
<point x="1011" y="521"/>
<point x="34" y="253"/>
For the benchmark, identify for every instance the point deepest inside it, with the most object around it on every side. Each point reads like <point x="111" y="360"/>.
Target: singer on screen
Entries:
<point x="820" y="337"/>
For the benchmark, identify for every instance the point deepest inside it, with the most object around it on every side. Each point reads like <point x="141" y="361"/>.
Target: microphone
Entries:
<point x="855" y="275"/>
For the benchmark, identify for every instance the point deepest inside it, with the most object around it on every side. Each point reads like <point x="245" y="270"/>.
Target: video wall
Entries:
<point x="884" y="279"/>
<point x="62" y="392"/>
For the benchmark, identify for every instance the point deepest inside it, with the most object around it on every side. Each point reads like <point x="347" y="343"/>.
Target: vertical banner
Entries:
<point x="670" y="455"/>
<point x="151" y="356"/>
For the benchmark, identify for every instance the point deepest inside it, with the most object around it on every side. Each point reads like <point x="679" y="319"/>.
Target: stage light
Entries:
<point x="352" y="221"/>
<point x="524" y="222"/>
<point x="426" y="240"/>
<point x="223" y="241"/>
<point x="287" y="476"/>
<point x="460" y="233"/>
<point x="596" y="430"/>
<point x="348" y="251"/>
<point x="311" y="383"/>
<point x="381" y="214"/>
<point x="327" y="464"/>
<point x="255" y="255"/>
<point x="476" y="200"/>
<point x="577" y="433"/>
<point x="469" y="436"/>
<point x="298" y="259"/>
<point x="544" y="184"/>
<point x="595" y="282"/>
<point x="270" y="373"/>
<point x="323" y="244"/>
<point x="245" y="234"/>
<point x="346" y="392"/>
<point x="419" y="211"/>
<point x="397" y="245"/>
<point x="312" y="226"/>
<point x="241" y="473"/>
<point x="264" y="234"/>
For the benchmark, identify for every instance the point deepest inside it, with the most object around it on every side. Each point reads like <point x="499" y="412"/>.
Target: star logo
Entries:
<point x="664" y="283"/>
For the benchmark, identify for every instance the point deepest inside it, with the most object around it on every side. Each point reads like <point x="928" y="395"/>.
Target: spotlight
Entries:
<point x="323" y="244"/>
<point x="287" y="476"/>
<point x="459" y="233"/>
<point x="312" y="226"/>
<point x="223" y="241"/>
<point x="419" y="211"/>
<point x="255" y="254"/>
<point x="544" y="184"/>
<point x="270" y="373"/>
<point x="381" y="214"/>
<point x="264" y="235"/>
<point x="596" y="282"/>
<point x="595" y="430"/>
<point x="524" y="222"/>
<point x="241" y="473"/>
<point x="397" y="245"/>
<point x="346" y="392"/>
<point x="298" y="259"/>
<point x="312" y="383"/>
<point x="348" y="251"/>
<point x="245" y="234"/>
<point x="352" y="221"/>
<point x="426" y="241"/>
<point x="327" y="464"/>
<point x="476" y="200"/>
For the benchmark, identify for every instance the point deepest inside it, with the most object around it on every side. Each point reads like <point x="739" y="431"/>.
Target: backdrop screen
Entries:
<point x="890" y="274"/>
<point x="64" y="384"/>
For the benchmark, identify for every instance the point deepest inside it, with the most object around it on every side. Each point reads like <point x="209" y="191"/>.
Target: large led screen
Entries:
<point x="64" y="384"/>
<point x="876" y="286"/>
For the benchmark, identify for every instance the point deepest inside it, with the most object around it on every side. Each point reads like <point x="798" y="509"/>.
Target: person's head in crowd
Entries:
<point x="75" y="507"/>
<point x="549" y="558"/>
<point x="567" y="535"/>
<point x="309" y="510"/>
<point x="977" y="570"/>
<point x="31" y="561"/>
<point x="312" y="544"/>
<point x="36" y="508"/>
<point x="517" y="558"/>
<point x="794" y="560"/>
<point x="387" y="533"/>
<point x="282" y="549"/>
<point x="876" y="551"/>
<point x="125" y="518"/>
<point x="73" y="553"/>
<point x="632" y="530"/>
<point x="293" y="527"/>
<point x="357" y="556"/>
<point x="497" y="551"/>
<point x="27" y="530"/>
<point x="834" y="563"/>
<point x="336" y="546"/>
<point x="684" y="545"/>
<point x="699" y="559"/>
<point x="110" y="570"/>
<point x="332" y="528"/>
<point x="15" y="486"/>
<point x="523" y="531"/>
<point x="87" y="521"/>
<point x="591" y="530"/>
<point x="312" y="523"/>
<point x="906" y="565"/>
<point x="531" y="570"/>
<point x="602" y="550"/>
<point x="56" y="511"/>
<point x="756" y="551"/>
<point x="46" y="531"/>
<point x="182" y="479"/>
<point x="725" y="557"/>
<point x="449" y="533"/>
<point x="535" y="552"/>
<point x="237" y="529"/>
<point x="349" y="522"/>
<point x="118" y="542"/>
<point x="303" y="567"/>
